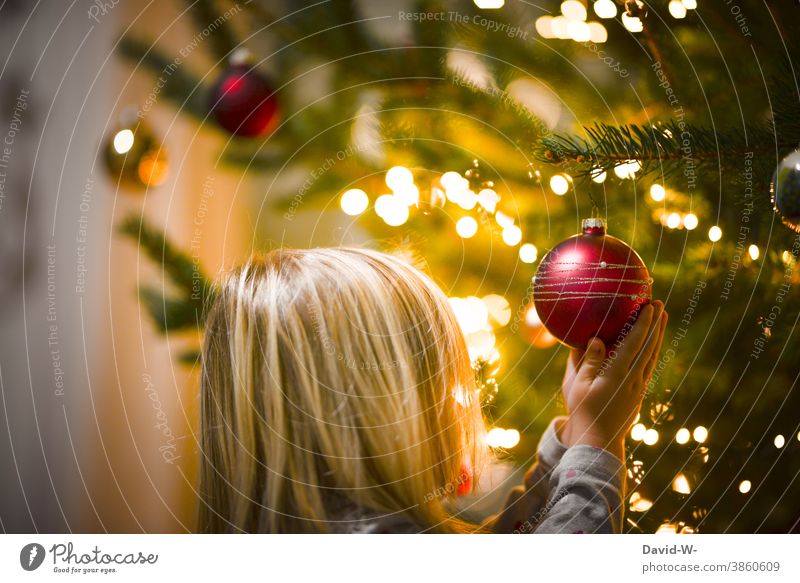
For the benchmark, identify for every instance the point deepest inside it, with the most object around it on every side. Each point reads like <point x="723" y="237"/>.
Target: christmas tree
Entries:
<point x="476" y="136"/>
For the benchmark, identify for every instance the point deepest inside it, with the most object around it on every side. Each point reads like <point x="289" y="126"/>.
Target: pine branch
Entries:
<point x="195" y="289"/>
<point x="208" y="18"/>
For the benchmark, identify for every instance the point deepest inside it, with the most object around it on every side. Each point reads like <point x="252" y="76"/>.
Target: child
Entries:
<point x="337" y="396"/>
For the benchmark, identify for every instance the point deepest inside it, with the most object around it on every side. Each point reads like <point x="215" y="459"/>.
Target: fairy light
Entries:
<point x="573" y="10"/>
<point x="650" y="437"/>
<point x="690" y="4"/>
<point x="408" y="194"/>
<point x="632" y="23"/>
<point x="780" y="441"/>
<point x="503" y="220"/>
<point x="681" y="484"/>
<point x="489" y="4"/>
<point x="745" y="486"/>
<point x="471" y="313"/>
<point x="700" y="434"/>
<point x="605" y="8"/>
<point x="559" y="27"/>
<point x="638" y="503"/>
<point x="398" y="177"/>
<point x="499" y="437"/>
<point x="638" y="432"/>
<point x="657" y="193"/>
<point x="597" y="33"/>
<point x="488" y="199"/>
<point x="579" y="31"/>
<point x="395" y="213"/>
<point x="683" y="435"/>
<point x="667" y="528"/>
<point x="123" y="141"/>
<point x="354" y="202"/>
<point x="466" y="227"/>
<point x="690" y="221"/>
<point x="753" y="251"/>
<point x="498" y="307"/>
<point x="559" y="184"/>
<point x="512" y="235"/>
<point x="452" y="180"/>
<point x="677" y="9"/>
<point x="715" y="234"/>
<point x="627" y="169"/>
<point x="528" y="253"/>
<point x="673" y="221"/>
<point x="598" y="175"/>
<point x="544" y="26"/>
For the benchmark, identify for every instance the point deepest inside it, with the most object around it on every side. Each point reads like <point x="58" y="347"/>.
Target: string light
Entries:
<point x="466" y="227"/>
<point x="503" y="219"/>
<point x="700" y="434"/>
<point x="605" y="8"/>
<point x="683" y="435"/>
<point x="640" y="504"/>
<point x="715" y="233"/>
<point x="627" y="169"/>
<point x="597" y="33"/>
<point x="753" y="251"/>
<point x="398" y="177"/>
<point x="544" y="26"/>
<point x="452" y="180"/>
<point x="512" y="235"/>
<point x="632" y="23"/>
<point x="573" y="10"/>
<point x="488" y="199"/>
<point x="408" y="194"/>
<point x="681" y="484"/>
<point x="123" y="141"/>
<point x="528" y="253"/>
<point x="638" y="432"/>
<point x="499" y="437"/>
<point x="690" y="221"/>
<point x="489" y="4"/>
<point x="667" y="528"/>
<point x="598" y="175"/>
<point x="780" y="441"/>
<point x="673" y="221"/>
<point x="559" y="184"/>
<point x="690" y="4"/>
<point x="677" y="9"/>
<point x="744" y="486"/>
<point x="354" y="202"/>
<point x="657" y="193"/>
<point x="650" y="437"/>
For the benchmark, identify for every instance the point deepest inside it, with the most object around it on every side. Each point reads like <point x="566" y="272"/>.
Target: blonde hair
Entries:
<point x="330" y="377"/>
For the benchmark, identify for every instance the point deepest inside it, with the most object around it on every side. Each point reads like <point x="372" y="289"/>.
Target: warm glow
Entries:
<point x="408" y="194"/>
<point x="744" y="486"/>
<point x="651" y="437"/>
<point x="715" y="233"/>
<point x="683" y="435"/>
<point x="579" y="31"/>
<point x="673" y="221"/>
<point x="638" y="432"/>
<point x="466" y="227"/>
<point x="399" y="176"/>
<point x="677" y="9"/>
<point x="639" y="503"/>
<point x="657" y="193"/>
<point x="528" y="253"/>
<point x="544" y="26"/>
<point x="489" y="4"/>
<point x="498" y="307"/>
<point x="780" y="441"/>
<point x="391" y="209"/>
<point x="505" y="438"/>
<point x="512" y="235"/>
<point x="690" y="221"/>
<point x="700" y="434"/>
<point x="467" y="199"/>
<point x="667" y="528"/>
<point x="382" y="204"/>
<point x="753" y="251"/>
<point x="452" y="180"/>
<point x="605" y="8"/>
<point x="627" y="169"/>
<point x="354" y="202"/>
<point x="681" y="484"/>
<point x="632" y="23"/>
<point x="503" y="219"/>
<point x="573" y="10"/>
<point x="559" y="184"/>
<point x="488" y="199"/>
<point x="471" y="313"/>
<point x="597" y="33"/>
<point x="123" y="141"/>
<point x="598" y="175"/>
<point x="690" y="4"/>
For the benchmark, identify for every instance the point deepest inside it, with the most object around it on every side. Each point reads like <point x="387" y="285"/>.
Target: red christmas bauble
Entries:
<point x="589" y="285"/>
<point x="243" y="102"/>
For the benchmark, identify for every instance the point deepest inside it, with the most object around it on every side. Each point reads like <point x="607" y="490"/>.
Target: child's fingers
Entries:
<point x="651" y="364"/>
<point x="630" y="347"/>
<point x="592" y="360"/>
<point x="643" y="359"/>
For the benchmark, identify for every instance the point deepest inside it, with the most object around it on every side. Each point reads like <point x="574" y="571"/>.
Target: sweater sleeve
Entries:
<point x="575" y="490"/>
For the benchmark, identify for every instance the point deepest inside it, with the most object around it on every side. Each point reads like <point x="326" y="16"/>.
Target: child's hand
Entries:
<point x="603" y="393"/>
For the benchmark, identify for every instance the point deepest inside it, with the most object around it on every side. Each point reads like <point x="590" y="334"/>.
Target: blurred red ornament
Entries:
<point x="464" y="481"/>
<point x="243" y="101"/>
<point x="534" y="331"/>
<point x="591" y="284"/>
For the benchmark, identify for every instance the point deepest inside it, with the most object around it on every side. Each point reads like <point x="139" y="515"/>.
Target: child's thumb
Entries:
<point x="592" y="358"/>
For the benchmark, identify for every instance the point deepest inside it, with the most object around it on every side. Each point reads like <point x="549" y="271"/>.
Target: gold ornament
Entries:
<point x="134" y="156"/>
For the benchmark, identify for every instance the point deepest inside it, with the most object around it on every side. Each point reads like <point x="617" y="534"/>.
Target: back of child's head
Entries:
<point x="332" y="379"/>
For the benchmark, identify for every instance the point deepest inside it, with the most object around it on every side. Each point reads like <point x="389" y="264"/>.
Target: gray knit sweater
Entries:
<point x="568" y="490"/>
